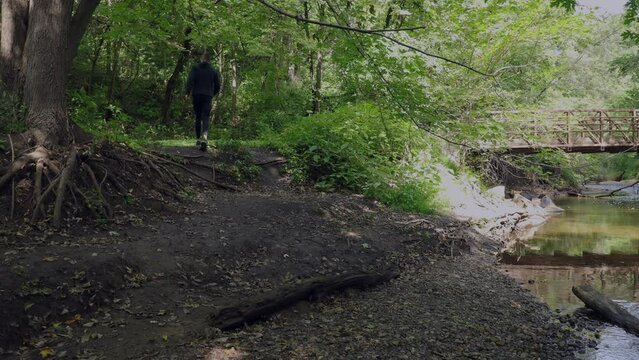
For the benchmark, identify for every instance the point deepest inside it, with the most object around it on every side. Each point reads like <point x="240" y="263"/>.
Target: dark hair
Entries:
<point x="206" y="57"/>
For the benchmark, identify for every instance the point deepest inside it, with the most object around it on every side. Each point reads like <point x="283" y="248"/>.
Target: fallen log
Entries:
<point x="607" y="309"/>
<point x="236" y="316"/>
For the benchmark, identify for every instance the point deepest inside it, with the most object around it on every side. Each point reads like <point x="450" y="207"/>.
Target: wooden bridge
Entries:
<point x="579" y="131"/>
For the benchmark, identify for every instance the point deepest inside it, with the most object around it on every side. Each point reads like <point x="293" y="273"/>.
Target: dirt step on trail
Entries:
<point x="144" y="286"/>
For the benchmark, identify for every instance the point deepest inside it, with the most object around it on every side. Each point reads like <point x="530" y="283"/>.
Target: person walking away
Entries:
<point x="202" y="85"/>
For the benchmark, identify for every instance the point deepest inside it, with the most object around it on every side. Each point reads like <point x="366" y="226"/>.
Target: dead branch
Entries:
<point x="273" y="162"/>
<point x="314" y="289"/>
<point x="615" y="191"/>
<point x="607" y="308"/>
<point x="64" y="182"/>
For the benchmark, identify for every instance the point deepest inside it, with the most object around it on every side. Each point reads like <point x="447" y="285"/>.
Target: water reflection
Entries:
<point x="594" y="242"/>
<point x="588" y="226"/>
<point x="553" y="284"/>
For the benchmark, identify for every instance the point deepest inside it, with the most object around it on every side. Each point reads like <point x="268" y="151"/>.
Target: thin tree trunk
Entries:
<point x="217" y="105"/>
<point x="15" y="19"/>
<point x="115" y="60"/>
<point x="311" y="54"/>
<point x="317" y="88"/>
<point x="45" y="71"/>
<point x="94" y="62"/>
<point x="174" y="80"/>
<point x="316" y="85"/>
<point x="235" y="118"/>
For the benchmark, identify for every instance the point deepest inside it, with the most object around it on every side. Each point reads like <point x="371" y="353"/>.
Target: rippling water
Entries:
<point x="596" y="241"/>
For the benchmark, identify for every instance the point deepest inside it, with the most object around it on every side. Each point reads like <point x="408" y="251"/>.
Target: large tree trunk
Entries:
<point x="173" y="82"/>
<point x="79" y="24"/>
<point x="15" y="19"/>
<point x="45" y="71"/>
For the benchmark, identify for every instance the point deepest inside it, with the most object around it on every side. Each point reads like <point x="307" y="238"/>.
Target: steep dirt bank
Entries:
<point x="144" y="286"/>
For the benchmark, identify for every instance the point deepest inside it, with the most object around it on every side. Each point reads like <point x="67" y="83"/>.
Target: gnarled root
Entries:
<point x="91" y="179"/>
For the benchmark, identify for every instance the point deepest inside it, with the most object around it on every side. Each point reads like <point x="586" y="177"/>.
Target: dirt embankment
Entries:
<point x="144" y="286"/>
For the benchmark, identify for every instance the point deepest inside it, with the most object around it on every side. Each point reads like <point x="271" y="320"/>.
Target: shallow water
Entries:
<point x="596" y="241"/>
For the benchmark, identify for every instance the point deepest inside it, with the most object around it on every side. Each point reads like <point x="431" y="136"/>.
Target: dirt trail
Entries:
<point x="144" y="286"/>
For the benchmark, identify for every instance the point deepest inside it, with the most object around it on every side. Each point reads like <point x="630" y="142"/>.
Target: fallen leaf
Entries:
<point x="46" y="352"/>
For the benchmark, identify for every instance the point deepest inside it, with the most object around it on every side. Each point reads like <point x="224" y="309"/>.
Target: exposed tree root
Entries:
<point x="62" y="187"/>
<point x="93" y="180"/>
<point x="184" y="168"/>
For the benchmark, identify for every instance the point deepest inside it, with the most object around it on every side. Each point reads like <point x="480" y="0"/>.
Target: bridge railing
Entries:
<point x="581" y="130"/>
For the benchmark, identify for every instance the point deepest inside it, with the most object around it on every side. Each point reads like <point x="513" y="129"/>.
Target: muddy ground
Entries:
<point x="143" y="286"/>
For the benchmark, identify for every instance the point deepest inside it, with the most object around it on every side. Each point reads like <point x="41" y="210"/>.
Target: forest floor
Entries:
<point x="143" y="286"/>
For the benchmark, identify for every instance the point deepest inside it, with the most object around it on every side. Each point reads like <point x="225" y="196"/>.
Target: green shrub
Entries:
<point x="357" y="149"/>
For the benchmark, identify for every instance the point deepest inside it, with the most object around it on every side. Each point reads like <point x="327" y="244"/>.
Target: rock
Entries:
<point x="549" y="206"/>
<point x="522" y="201"/>
<point x="531" y="222"/>
<point x="498" y="192"/>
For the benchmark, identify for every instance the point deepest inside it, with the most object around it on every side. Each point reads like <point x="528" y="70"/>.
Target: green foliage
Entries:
<point x="358" y="148"/>
<point x="12" y="118"/>
<point x="103" y="120"/>
<point x="620" y="167"/>
<point x="569" y="5"/>
<point x="553" y="167"/>
<point x="540" y="56"/>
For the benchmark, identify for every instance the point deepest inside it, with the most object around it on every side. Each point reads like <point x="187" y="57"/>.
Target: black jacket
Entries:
<point x="203" y="80"/>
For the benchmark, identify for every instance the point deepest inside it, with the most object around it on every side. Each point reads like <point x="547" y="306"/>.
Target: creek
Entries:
<point x="595" y="241"/>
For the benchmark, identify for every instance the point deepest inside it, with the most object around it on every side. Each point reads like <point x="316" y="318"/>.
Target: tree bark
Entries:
<point x="173" y="82"/>
<point x="317" y="86"/>
<point x="45" y="71"/>
<point x="605" y="307"/>
<point x="217" y="105"/>
<point x="79" y="24"/>
<point x="235" y="118"/>
<point x="94" y="62"/>
<point x="15" y="20"/>
<point x="311" y="54"/>
<point x="236" y="316"/>
<point x="115" y="67"/>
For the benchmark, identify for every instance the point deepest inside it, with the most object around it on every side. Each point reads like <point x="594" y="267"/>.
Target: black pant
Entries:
<point x="202" y="109"/>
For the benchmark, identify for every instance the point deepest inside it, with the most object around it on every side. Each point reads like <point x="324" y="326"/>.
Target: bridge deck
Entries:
<point x="582" y="131"/>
